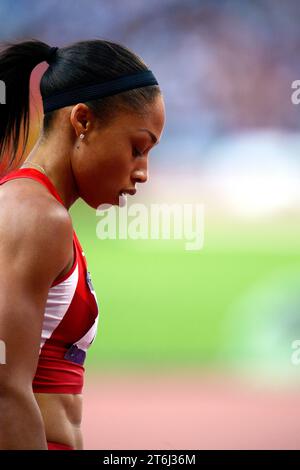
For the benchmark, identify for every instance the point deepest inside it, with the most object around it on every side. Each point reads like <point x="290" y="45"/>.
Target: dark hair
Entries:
<point x="78" y="64"/>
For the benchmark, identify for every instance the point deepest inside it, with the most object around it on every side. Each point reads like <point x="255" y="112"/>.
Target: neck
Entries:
<point x="57" y="166"/>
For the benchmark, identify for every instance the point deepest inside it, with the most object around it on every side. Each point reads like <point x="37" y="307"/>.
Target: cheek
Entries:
<point x="107" y="158"/>
<point x="111" y="167"/>
<point x="101" y="175"/>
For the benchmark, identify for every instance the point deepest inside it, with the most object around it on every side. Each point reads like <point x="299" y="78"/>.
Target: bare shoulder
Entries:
<point x="28" y="205"/>
<point x="34" y="227"/>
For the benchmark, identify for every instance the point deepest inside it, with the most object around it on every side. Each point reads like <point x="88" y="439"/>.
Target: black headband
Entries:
<point x="98" y="90"/>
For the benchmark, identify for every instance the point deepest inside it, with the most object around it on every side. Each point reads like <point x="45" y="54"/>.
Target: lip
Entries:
<point x="130" y="191"/>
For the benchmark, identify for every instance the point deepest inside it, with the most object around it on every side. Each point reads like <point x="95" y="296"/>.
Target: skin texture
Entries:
<point x="95" y="169"/>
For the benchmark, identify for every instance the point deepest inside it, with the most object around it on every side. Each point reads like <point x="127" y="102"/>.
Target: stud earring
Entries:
<point x="81" y="137"/>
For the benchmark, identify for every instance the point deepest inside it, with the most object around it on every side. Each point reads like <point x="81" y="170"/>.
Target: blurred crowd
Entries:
<point x="227" y="65"/>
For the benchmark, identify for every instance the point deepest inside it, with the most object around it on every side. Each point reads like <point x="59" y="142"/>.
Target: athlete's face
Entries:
<point x="112" y="159"/>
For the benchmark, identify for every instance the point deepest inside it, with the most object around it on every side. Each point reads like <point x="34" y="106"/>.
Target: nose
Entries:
<point x="140" y="176"/>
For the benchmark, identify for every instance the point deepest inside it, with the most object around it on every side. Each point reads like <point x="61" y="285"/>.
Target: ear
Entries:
<point x="81" y="118"/>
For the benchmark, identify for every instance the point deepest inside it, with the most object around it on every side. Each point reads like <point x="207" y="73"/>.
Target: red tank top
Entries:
<point x="70" y="317"/>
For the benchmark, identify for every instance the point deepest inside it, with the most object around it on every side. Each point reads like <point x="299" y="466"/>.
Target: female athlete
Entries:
<point x="103" y="112"/>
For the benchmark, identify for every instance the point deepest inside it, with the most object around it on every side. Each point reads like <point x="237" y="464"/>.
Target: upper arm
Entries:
<point x="35" y="245"/>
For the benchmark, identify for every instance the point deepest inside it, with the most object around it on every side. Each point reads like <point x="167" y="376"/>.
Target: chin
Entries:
<point x="105" y="202"/>
<point x="92" y="203"/>
<point x="116" y="201"/>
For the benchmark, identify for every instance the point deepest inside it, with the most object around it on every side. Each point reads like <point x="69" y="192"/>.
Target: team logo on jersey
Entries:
<point x="75" y="354"/>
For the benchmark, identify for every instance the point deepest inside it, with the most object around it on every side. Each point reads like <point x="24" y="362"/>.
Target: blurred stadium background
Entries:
<point x="194" y="347"/>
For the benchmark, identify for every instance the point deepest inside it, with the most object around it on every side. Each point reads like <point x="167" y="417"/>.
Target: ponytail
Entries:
<point x="16" y="64"/>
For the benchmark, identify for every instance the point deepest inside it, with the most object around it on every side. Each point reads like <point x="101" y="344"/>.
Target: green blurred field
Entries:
<point x="161" y="305"/>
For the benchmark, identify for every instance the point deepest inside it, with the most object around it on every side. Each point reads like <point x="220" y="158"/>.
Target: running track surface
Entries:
<point x="187" y="411"/>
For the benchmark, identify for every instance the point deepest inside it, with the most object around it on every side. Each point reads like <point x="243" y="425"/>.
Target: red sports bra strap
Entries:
<point x="35" y="175"/>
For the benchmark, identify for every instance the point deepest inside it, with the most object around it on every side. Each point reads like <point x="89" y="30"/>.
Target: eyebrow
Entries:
<point x="153" y="137"/>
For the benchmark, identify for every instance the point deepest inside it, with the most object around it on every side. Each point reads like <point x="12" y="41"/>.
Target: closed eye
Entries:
<point x="136" y="152"/>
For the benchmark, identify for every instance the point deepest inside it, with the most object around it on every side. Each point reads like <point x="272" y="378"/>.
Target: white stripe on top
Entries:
<point x="58" y="302"/>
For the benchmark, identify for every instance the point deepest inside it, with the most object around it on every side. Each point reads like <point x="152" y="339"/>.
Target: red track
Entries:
<point x="188" y="411"/>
